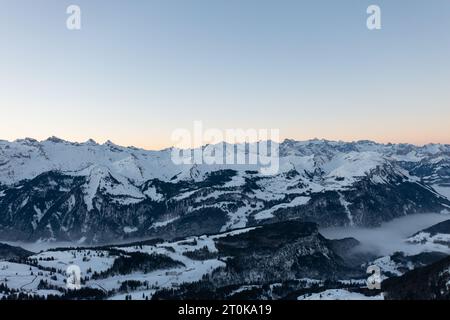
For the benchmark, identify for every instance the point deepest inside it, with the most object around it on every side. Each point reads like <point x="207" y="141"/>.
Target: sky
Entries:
<point x="138" y="70"/>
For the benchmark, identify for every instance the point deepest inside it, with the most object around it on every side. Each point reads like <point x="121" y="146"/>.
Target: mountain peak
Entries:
<point x="91" y="142"/>
<point x="55" y="139"/>
<point x="110" y="143"/>
<point x="28" y="141"/>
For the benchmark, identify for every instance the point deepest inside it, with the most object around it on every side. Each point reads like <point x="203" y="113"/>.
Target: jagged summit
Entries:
<point x="91" y="142"/>
<point x="55" y="140"/>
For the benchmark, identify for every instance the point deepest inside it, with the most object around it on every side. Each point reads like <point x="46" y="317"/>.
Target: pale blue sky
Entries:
<point x="140" y="69"/>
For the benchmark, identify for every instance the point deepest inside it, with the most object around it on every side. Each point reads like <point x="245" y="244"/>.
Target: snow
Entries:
<point x="267" y="196"/>
<point x="445" y="191"/>
<point x="339" y="294"/>
<point x="233" y="233"/>
<point x="120" y="172"/>
<point x="26" y="278"/>
<point x="243" y="288"/>
<point x="305" y="168"/>
<point x="128" y="167"/>
<point x="346" y="204"/>
<point x="387" y="265"/>
<point x="25" y="159"/>
<point x="24" y="202"/>
<point x="184" y="195"/>
<point x="236" y="181"/>
<point x="114" y="185"/>
<point x="97" y="260"/>
<point x="39" y="214"/>
<point x="91" y="190"/>
<point x="71" y="203"/>
<point x="153" y="194"/>
<point x="160" y="224"/>
<point x="238" y="219"/>
<point x="213" y="195"/>
<point x="438" y="242"/>
<point x="130" y="229"/>
<point x="267" y="214"/>
<point x="193" y="270"/>
<point x="29" y="159"/>
<point x="348" y="167"/>
<point x="81" y="240"/>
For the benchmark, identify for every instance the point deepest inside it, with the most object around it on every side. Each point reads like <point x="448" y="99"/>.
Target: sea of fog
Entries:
<point x="383" y="240"/>
<point x="390" y="236"/>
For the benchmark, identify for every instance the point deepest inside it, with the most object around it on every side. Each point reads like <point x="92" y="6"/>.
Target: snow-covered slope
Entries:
<point x="436" y="237"/>
<point x="339" y="294"/>
<point x="27" y="158"/>
<point x="143" y="269"/>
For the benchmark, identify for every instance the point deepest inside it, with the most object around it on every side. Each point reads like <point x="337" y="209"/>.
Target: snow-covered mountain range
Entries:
<point x="59" y="190"/>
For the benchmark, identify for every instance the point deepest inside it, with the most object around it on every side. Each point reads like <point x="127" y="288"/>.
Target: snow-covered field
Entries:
<point x="437" y="242"/>
<point x="338" y="294"/>
<point x="96" y="260"/>
<point x="267" y="214"/>
<point x="26" y="278"/>
<point x="53" y="264"/>
<point x="445" y="191"/>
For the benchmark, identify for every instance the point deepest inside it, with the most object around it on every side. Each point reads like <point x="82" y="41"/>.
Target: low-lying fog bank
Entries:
<point x="390" y="236"/>
<point x="383" y="240"/>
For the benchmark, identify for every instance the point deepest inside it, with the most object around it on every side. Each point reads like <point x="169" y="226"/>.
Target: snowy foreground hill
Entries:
<point x="215" y="266"/>
<point x="284" y="260"/>
<point x="276" y="261"/>
<point x="98" y="193"/>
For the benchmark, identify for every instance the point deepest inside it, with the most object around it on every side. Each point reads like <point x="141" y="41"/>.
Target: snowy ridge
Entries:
<point x="145" y="191"/>
<point x="27" y="158"/>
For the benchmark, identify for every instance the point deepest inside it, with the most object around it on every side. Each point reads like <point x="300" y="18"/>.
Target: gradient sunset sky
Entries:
<point x="140" y="69"/>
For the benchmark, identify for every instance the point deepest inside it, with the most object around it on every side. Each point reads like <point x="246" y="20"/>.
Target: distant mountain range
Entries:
<point x="94" y="193"/>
